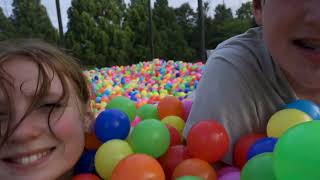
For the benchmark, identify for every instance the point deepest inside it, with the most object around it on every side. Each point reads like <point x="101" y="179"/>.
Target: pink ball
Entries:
<point x="136" y="121"/>
<point x="231" y="176"/>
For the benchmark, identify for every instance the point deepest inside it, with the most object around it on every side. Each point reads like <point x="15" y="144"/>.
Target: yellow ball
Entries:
<point x="109" y="155"/>
<point x="282" y="120"/>
<point x="175" y="122"/>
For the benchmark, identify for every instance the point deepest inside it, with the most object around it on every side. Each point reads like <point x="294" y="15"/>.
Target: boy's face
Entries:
<point x="292" y="32"/>
<point x="33" y="152"/>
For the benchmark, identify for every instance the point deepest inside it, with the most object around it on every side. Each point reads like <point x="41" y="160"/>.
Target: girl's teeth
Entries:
<point x="30" y="159"/>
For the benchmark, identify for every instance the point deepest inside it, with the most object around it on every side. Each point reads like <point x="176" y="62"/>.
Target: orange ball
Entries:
<point x="138" y="167"/>
<point x="91" y="141"/>
<point x="170" y="106"/>
<point x="195" y="167"/>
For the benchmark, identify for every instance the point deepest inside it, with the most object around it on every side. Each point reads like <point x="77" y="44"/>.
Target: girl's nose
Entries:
<point x="26" y="130"/>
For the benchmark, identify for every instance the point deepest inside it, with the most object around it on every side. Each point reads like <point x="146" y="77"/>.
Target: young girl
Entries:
<point x="43" y="108"/>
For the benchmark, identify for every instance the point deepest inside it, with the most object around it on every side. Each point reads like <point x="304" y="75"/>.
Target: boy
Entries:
<point x="251" y="76"/>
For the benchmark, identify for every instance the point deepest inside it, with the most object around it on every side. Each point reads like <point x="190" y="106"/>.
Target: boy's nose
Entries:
<point x="312" y="16"/>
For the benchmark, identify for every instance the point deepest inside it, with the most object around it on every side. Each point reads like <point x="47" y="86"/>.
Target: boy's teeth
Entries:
<point x="30" y="159"/>
<point x="311" y="44"/>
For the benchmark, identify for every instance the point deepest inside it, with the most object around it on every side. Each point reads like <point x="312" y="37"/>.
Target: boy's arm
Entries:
<point x="224" y="94"/>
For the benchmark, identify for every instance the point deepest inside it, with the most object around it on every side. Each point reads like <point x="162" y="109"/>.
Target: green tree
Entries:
<point x="6" y="27"/>
<point x="31" y="20"/>
<point x="187" y="19"/>
<point x="245" y="14"/>
<point x="224" y="25"/>
<point x="245" y="11"/>
<point x="137" y="20"/>
<point x="96" y="32"/>
<point x="222" y="13"/>
<point x="169" y="38"/>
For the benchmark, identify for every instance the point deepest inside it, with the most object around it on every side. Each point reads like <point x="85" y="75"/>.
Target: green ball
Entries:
<point x="148" y="111"/>
<point x="123" y="104"/>
<point x="189" y="178"/>
<point x="259" y="167"/>
<point x="150" y="137"/>
<point x="297" y="153"/>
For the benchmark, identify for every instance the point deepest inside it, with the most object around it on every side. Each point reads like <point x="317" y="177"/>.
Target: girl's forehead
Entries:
<point x="23" y="76"/>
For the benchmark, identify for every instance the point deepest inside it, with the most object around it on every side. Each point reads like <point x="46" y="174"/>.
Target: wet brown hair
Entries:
<point x="46" y="57"/>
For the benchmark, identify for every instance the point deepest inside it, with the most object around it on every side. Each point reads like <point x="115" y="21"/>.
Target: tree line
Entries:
<point x="109" y="32"/>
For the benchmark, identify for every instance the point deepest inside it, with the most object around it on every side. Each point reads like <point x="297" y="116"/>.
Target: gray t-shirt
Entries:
<point x="241" y="88"/>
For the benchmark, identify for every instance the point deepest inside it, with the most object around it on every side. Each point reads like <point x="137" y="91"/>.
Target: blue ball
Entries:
<point x="306" y="106"/>
<point x="86" y="163"/>
<point x="98" y="99"/>
<point x="112" y="124"/>
<point x="261" y="146"/>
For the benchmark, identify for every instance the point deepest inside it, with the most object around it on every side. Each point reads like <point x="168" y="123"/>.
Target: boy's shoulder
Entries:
<point x="251" y="39"/>
<point x="244" y="49"/>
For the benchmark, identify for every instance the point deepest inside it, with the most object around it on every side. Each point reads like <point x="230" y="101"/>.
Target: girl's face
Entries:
<point x="33" y="152"/>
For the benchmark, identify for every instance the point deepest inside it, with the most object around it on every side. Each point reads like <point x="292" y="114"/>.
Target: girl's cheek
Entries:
<point x="68" y="126"/>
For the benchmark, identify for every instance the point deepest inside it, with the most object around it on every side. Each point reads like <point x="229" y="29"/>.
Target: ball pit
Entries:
<point x="156" y="90"/>
<point x="145" y="82"/>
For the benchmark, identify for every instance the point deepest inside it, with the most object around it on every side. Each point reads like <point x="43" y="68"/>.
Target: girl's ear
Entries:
<point x="89" y="119"/>
<point x="257" y="10"/>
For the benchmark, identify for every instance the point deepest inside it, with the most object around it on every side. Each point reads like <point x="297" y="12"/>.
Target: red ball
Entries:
<point x="175" y="137"/>
<point x="174" y="156"/>
<point x="208" y="140"/>
<point x="85" y="177"/>
<point x="242" y="147"/>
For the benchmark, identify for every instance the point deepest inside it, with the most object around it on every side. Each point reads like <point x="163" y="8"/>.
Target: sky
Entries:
<point x="65" y="4"/>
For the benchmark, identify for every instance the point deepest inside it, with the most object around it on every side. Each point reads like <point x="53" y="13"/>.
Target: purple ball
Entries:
<point x="227" y="170"/>
<point x="231" y="176"/>
<point x="187" y="104"/>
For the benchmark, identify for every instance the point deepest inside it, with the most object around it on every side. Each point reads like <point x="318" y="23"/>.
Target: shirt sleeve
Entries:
<point x="225" y="94"/>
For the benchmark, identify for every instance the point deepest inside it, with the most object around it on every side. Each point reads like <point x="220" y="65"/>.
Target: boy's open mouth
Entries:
<point x="309" y="49"/>
<point x="308" y="44"/>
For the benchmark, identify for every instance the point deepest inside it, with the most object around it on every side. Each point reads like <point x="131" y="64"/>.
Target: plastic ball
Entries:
<point x="150" y="137"/>
<point x="124" y="104"/>
<point x="148" y="111"/>
<point x="227" y="170"/>
<point x="241" y="148"/>
<point x="86" y="163"/>
<point x="262" y="146"/>
<point x="175" y="136"/>
<point x="174" y="121"/>
<point x="208" y="140"/>
<point x="195" y="167"/>
<point x="231" y="176"/>
<point x="91" y="141"/>
<point x="170" y="106"/>
<point x="136" y="121"/>
<point x="174" y="156"/>
<point x="85" y="177"/>
<point x="138" y="167"/>
<point x="306" y="106"/>
<point x="296" y="155"/>
<point x="260" y="167"/>
<point x="189" y="178"/>
<point x="282" y="120"/>
<point x="109" y="155"/>
<point x="112" y="124"/>
<point x="187" y="104"/>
